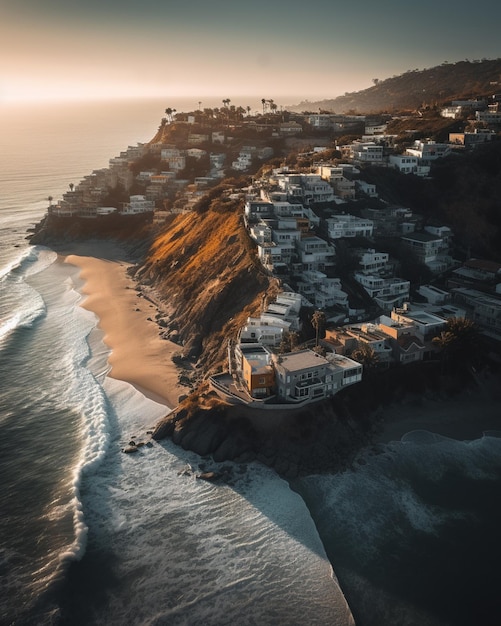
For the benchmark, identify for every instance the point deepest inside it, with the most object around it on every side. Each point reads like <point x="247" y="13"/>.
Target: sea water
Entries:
<point x="89" y="535"/>
<point x="413" y="532"/>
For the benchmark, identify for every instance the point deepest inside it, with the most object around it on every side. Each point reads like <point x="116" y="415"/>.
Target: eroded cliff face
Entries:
<point x="205" y="269"/>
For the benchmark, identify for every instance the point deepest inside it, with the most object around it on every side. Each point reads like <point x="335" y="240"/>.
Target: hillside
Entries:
<point x="207" y="272"/>
<point x="418" y="88"/>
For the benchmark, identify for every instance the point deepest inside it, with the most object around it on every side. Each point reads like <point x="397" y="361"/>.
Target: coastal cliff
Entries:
<point x="325" y="436"/>
<point x="206" y="273"/>
<point x="316" y="438"/>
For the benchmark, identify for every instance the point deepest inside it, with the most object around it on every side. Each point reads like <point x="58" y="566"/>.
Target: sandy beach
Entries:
<point x="139" y="355"/>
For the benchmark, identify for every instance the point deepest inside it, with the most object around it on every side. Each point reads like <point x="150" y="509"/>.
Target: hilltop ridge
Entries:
<point x="416" y="88"/>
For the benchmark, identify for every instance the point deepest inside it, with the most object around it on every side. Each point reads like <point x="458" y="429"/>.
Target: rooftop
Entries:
<point x="424" y="237"/>
<point x="300" y="360"/>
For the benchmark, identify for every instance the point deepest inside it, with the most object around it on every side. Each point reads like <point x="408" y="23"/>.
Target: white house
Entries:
<point x="386" y="292"/>
<point x="366" y="189"/>
<point x="339" y="226"/>
<point x="321" y="291"/>
<point x="433" y="294"/>
<point x="428" y="151"/>
<point x="266" y="331"/>
<point x="372" y="261"/>
<point x="404" y="163"/>
<point x="429" y="249"/>
<point x="315" y="253"/>
<point x="366" y="152"/>
<point x="138" y="204"/>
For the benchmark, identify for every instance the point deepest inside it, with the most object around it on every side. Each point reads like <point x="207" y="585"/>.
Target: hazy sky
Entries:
<point x="285" y="50"/>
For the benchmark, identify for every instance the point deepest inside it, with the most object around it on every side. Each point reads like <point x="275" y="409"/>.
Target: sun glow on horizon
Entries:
<point x="25" y="93"/>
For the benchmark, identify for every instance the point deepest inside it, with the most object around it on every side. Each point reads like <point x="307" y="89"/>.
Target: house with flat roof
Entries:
<point x="406" y="346"/>
<point x="483" y="308"/>
<point x="429" y="249"/>
<point x="386" y="292"/>
<point x="254" y="361"/>
<point x="306" y="375"/>
<point x="428" y="151"/>
<point x="316" y="253"/>
<point x="426" y="325"/>
<point x="346" y="225"/>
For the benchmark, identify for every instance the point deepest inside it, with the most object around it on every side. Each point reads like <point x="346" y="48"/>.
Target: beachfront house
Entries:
<point x="305" y="375"/>
<point x="254" y="363"/>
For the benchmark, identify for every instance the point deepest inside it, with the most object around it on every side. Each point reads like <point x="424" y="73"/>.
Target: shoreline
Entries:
<point x="141" y="357"/>
<point x="138" y="354"/>
<point x="465" y="417"/>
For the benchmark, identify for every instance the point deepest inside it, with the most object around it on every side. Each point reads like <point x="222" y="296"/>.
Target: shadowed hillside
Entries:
<point x="419" y="88"/>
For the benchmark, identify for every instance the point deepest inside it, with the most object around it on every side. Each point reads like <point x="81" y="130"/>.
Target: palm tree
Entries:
<point x="458" y="340"/>
<point x="289" y="341"/>
<point x="71" y="186"/>
<point x="248" y="109"/>
<point x="170" y="113"/>
<point x="318" y="320"/>
<point x="263" y="102"/>
<point x="365" y="355"/>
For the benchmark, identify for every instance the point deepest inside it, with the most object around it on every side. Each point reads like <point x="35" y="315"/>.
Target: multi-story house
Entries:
<point x="407" y="164"/>
<point x="484" y="309"/>
<point x="137" y="204"/>
<point x="434" y="295"/>
<point x="426" y="325"/>
<point x="285" y="309"/>
<point x="371" y="261"/>
<point x="346" y="225"/>
<point x="255" y="211"/>
<point x="428" y="151"/>
<point x="177" y="163"/>
<point x="315" y="253"/>
<point x="386" y="292"/>
<point x="366" y="152"/>
<point x="286" y="235"/>
<point x="322" y="292"/>
<point x="305" y="375"/>
<point x="254" y="363"/>
<point x="261" y="233"/>
<point x="197" y="138"/>
<point x="264" y="331"/>
<point x="170" y="152"/>
<point x="405" y="345"/>
<point x="365" y="189"/>
<point x="429" y="249"/>
<point x="344" y="188"/>
<point x="490" y="117"/>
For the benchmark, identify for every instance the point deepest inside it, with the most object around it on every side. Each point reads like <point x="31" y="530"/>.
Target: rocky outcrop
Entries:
<point x="313" y="439"/>
<point x="54" y="230"/>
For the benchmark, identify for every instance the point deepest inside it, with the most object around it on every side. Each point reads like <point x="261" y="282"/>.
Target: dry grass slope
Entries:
<point x="205" y="267"/>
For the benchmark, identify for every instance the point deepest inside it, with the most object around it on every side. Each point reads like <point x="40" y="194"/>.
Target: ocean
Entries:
<point x="89" y="535"/>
